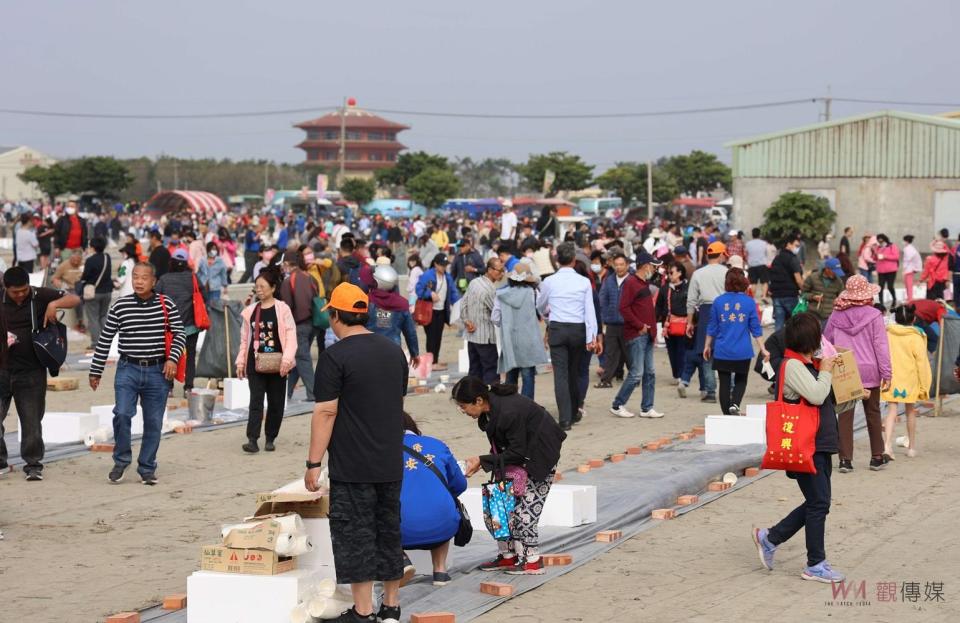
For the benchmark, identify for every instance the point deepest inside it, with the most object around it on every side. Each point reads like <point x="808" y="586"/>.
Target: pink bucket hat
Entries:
<point x="859" y="289"/>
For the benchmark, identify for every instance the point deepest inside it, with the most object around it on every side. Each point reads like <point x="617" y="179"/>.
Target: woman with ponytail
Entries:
<point x="525" y="440"/>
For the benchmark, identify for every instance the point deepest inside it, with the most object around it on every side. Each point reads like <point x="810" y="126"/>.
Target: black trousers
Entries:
<point x="483" y="362"/>
<point x="191" y="356"/>
<point x="434" y="332"/>
<point x="274" y="387"/>
<point x="887" y="280"/>
<point x="614" y="352"/>
<point x="27" y="389"/>
<point x="568" y="343"/>
<point x="812" y="514"/>
<point x="724" y="389"/>
<point x="250" y="259"/>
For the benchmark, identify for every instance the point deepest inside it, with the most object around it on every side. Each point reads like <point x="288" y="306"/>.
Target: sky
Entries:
<point x="494" y="57"/>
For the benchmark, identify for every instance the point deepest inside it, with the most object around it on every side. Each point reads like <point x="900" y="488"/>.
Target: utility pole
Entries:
<point x="176" y="174"/>
<point x="827" y="102"/>
<point x="343" y="143"/>
<point x="650" y="190"/>
<point x="266" y="177"/>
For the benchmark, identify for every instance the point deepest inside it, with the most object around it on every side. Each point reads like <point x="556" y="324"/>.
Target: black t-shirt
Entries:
<point x="266" y="332"/>
<point x="783" y="284"/>
<point x="21" y="355"/>
<point x="367" y="373"/>
<point x="160" y="258"/>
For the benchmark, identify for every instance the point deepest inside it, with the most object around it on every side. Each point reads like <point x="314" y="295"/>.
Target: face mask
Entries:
<point x="596" y="268"/>
<point x="212" y="254"/>
<point x="796" y="250"/>
<point x="71" y="211"/>
<point x="308" y="258"/>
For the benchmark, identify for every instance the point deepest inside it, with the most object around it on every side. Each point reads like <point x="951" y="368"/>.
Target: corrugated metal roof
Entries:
<point x="886" y="144"/>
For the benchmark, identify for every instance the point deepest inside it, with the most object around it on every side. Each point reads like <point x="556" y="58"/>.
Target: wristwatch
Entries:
<point x="314" y="465"/>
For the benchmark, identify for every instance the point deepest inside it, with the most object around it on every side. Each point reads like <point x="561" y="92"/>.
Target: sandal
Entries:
<point x="603" y="385"/>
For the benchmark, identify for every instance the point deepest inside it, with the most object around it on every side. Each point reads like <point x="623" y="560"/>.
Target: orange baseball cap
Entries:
<point x="349" y="298"/>
<point x="716" y="248"/>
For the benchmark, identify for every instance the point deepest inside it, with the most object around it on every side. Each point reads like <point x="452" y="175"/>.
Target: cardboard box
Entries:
<point x="224" y="559"/>
<point x="847" y="385"/>
<point x="261" y="536"/>
<point x="312" y="505"/>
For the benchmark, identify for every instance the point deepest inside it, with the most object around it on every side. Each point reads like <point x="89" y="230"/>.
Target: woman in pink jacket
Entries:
<point x="888" y="262"/>
<point x="857" y="325"/>
<point x="267" y="327"/>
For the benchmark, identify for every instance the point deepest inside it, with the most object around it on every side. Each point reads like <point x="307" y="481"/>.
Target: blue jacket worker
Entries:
<point x="390" y="312"/>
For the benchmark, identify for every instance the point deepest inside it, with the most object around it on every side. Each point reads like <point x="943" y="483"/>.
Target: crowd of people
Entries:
<point x="522" y="292"/>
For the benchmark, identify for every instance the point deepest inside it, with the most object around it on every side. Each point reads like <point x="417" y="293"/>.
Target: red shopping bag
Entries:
<point x="791" y="430"/>
<point x="201" y="320"/>
<point x="168" y="345"/>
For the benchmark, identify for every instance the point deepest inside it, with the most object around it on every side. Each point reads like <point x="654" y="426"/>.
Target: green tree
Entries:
<point x="698" y="171"/>
<point x="490" y="177"/>
<point x="433" y="186"/>
<point x="572" y="173"/>
<point x="52" y="181"/>
<point x="798" y="212"/>
<point x="359" y="190"/>
<point x="410" y="165"/>
<point x="628" y="180"/>
<point x="104" y="176"/>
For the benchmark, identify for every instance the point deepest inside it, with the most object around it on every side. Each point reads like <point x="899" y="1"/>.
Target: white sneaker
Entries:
<point x="651" y="414"/>
<point x="621" y="411"/>
<point x="682" y="389"/>
<point x="903" y="441"/>
<point x="674" y="381"/>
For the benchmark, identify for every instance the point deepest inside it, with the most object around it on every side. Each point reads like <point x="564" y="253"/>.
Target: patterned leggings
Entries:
<point x="524" y="533"/>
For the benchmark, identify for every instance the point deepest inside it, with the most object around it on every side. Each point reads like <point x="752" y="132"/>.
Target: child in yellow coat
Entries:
<point x="911" y="377"/>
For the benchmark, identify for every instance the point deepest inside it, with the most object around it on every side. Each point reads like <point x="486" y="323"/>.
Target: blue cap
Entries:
<point x="180" y="254"/>
<point x="681" y="250"/>
<point x="834" y="265"/>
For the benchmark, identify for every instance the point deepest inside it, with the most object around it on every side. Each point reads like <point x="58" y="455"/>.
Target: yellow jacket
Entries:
<point x="316" y="271"/>
<point x="911" y="366"/>
<point x="441" y="239"/>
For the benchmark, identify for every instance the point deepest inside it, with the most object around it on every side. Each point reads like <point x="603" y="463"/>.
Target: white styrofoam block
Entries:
<point x="61" y="427"/>
<point x="734" y="430"/>
<point x="104" y="415"/>
<point x="236" y="598"/>
<point x="567" y="506"/>
<point x="322" y="555"/>
<point x="758" y="412"/>
<point x="236" y="393"/>
<point x="463" y="361"/>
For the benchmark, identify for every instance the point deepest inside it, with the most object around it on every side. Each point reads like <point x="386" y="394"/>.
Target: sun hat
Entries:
<point x="522" y="272"/>
<point x="657" y="233"/>
<point x="735" y="261"/>
<point x="349" y="298"/>
<point x="858" y="291"/>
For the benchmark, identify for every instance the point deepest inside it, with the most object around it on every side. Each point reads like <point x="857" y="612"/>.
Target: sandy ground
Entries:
<point x="115" y="548"/>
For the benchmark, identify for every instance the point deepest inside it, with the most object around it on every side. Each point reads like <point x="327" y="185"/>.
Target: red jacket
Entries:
<point x="637" y="308"/>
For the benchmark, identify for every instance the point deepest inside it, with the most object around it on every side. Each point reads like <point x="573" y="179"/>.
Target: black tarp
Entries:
<point x="212" y="359"/>
<point x="951" y="349"/>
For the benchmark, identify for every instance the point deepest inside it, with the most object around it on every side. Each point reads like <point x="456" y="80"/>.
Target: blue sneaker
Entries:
<point x="765" y="548"/>
<point x="822" y="572"/>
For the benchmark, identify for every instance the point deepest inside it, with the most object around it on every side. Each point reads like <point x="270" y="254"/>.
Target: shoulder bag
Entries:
<point x="465" y="529"/>
<point x="265" y="363"/>
<point x="319" y="317"/>
<point x="49" y="342"/>
<point x="201" y="320"/>
<point x="423" y="311"/>
<point x="168" y="344"/>
<point x="90" y="289"/>
<point x="676" y="325"/>
<point x="791" y="431"/>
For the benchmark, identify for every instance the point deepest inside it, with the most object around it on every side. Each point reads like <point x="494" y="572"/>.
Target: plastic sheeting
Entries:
<point x="215" y="359"/>
<point x="951" y="349"/>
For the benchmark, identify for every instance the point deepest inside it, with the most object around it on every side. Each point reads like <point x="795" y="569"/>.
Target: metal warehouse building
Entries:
<point x="891" y="172"/>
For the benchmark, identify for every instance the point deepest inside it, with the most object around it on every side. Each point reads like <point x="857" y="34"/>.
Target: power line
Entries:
<point x="222" y="115"/>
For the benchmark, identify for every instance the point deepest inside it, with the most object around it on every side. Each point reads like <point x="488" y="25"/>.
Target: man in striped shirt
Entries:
<point x="475" y="310"/>
<point x="145" y="370"/>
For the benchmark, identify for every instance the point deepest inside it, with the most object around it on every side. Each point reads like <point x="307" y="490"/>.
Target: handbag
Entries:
<point x="49" y="342"/>
<point x="676" y="325"/>
<point x="201" y="320"/>
<point x="514" y="473"/>
<point x="465" y="529"/>
<point x="498" y="503"/>
<point x="264" y="363"/>
<point x="90" y="290"/>
<point x="423" y="312"/>
<point x="168" y="344"/>
<point x="791" y="430"/>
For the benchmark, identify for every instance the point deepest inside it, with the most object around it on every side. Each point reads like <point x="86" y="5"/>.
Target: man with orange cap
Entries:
<point x="706" y="284"/>
<point x="358" y="421"/>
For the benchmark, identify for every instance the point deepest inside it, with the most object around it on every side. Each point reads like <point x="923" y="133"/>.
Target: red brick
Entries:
<point x="497" y="589"/>
<point x="664" y="440"/>
<point x="183" y="430"/>
<point x="557" y="477"/>
<point x="751" y="471"/>
<point x="686" y="436"/>
<point x="583" y="469"/>
<point x="653" y="445"/>
<point x="177" y="601"/>
<point x="433" y="617"/>
<point x="634" y="450"/>
<point x="421" y="389"/>
<point x="124" y="617"/>
<point x="556" y="560"/>
<point x="616" y="458"/>
<point x="686" y="500"/>
<point x="698" y="430"/>
<point x="663" y="513"/>
<point x="101" y="447"/>
<point x="608" y="536"/>
<point x="718" y="486"/>
<point x="595" y="463"/>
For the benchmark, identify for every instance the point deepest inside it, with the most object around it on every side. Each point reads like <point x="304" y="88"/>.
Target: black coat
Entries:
<point x="523" y="434"/>
<point x="62" y="232"/>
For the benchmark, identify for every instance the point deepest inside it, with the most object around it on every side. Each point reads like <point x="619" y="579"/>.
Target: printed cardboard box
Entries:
<point x="307" y="505"/>
<point x="847" y="385"/>
<point x="246" y="561"/>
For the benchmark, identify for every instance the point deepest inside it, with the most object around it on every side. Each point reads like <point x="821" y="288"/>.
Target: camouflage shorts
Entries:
<point x="365" y="531"/>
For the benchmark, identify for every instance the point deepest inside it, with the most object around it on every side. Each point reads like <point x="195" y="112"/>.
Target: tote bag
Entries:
<point x="791" y="431"/>
<point x="168" y="344"/>
<point x="201" y="320"/>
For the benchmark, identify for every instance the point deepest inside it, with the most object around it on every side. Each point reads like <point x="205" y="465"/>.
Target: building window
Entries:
<point x="331" y="135"/>
<point x="353" y="135"/>
<point x="353" y="155"/>
<point x="374" y="136"/>
<point x="391" y="157"/>
<point x="374" y="156"/>
<point x="313" y="154"/>
<point x="329" y="155"/>
<point x="390" y="136"/>
<point x="313" y="135"/>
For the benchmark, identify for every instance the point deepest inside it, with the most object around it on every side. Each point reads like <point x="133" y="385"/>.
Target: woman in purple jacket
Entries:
<point x="855" y="324"/>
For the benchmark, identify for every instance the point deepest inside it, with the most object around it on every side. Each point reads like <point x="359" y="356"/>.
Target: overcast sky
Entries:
<point x="517" y="57"/>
